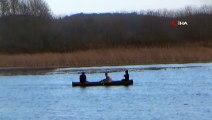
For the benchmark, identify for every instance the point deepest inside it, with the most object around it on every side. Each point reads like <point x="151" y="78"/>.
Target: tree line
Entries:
<point x="27" y="26"/>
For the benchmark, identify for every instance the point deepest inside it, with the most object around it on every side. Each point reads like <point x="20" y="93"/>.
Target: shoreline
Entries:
<point x="2" y="68"/>
<point x="42" y="71"/>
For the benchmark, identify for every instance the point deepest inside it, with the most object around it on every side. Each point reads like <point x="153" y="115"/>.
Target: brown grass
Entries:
<point x="105" y="57"/>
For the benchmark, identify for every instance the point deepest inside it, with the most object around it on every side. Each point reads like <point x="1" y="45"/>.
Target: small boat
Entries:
<point x="113" y="83"/>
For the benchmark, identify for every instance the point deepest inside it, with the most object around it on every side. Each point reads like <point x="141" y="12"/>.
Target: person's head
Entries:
<point x="126" y="71"/>
<point x="83" y="73"/>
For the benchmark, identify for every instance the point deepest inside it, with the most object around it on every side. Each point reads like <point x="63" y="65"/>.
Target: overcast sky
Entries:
<point x="66" y="7"/>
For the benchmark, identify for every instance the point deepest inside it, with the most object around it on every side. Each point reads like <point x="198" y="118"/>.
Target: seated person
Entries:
<point x="83" y="78"/>
<point x="126" y="76"/>
<point x="107" y="79"/>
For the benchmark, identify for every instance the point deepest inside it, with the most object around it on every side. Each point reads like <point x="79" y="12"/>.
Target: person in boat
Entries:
<point x="126" y="76"/>
<point x="107" y="79"/>
<point x="83" y="78"/>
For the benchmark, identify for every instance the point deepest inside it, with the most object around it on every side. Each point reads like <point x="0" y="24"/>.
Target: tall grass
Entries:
<point x="104" y="57"/>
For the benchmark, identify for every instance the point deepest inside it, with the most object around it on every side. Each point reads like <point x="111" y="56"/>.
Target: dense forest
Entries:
<point x="28" y="26"/>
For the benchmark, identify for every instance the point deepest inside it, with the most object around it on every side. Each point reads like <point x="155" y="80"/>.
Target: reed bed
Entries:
<point x="109" y="57"/>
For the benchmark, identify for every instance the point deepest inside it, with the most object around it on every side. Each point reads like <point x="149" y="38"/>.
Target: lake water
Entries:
<point x="160" y="92"/>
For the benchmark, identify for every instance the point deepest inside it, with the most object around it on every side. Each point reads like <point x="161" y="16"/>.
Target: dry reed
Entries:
<point x="107" y="57"/>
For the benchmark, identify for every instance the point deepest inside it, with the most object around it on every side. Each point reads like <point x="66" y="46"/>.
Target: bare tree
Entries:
<point x="38" y="8"/>
<point x="4" y="7"/>
<point x="14" y="6"/>
<point x="24" y="7"/>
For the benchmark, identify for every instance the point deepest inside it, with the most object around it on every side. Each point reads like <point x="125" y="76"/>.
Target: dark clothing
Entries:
<point x="83" y="78"/>
<point x="126" y="76"/>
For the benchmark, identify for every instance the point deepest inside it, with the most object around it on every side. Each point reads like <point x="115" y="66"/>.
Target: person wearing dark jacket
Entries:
<point x="83" y="78"/>
<point x="126" y="76"/>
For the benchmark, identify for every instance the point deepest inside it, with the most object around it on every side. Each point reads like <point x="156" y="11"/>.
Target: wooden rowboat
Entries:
<point x="113" y="83"/>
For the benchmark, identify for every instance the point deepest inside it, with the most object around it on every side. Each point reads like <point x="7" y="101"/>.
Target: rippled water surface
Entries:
<point x="160" y="92"/>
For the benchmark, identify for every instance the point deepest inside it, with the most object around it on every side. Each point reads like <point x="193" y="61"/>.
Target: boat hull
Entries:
<point x="113" y="83"/>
